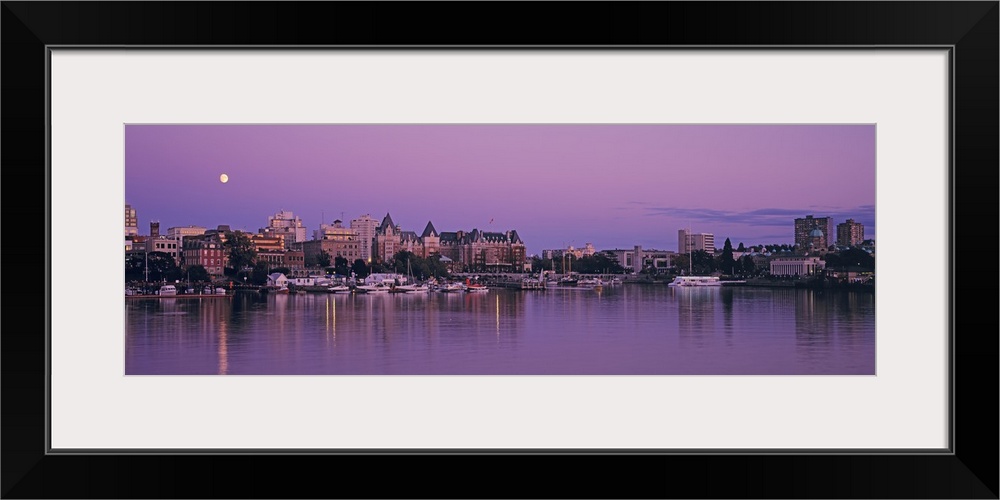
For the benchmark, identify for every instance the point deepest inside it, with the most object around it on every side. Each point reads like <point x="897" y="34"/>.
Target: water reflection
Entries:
<point x="618" y="330"/>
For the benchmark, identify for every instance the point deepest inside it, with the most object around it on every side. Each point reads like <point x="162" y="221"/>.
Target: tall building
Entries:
<point x="154" y="229"/>
<point x="286" y="225"/>
<point x="364" y="226"/>
<point x="850" y="233"/>
<point x="688" y="242"/>
<point x="131" y="221"/>
<point x="804" y="226"/>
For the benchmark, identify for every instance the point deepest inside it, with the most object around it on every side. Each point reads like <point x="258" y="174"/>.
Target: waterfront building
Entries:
<point x="166" y="245"/>
<point x="334" y="239"/>
<point x="387" y="240"/>
<point x="796" y="266"/>
<point x="637" y="258"/>
<point x="131" y="221"/>
<point x="431" y="241"/>
<point x="587" y="251"/>
<point x="286" y="224"/>
<point x="364" y="227"/>
<point x="208" y="251"/>
<point x="135" y="245"/>
<point x="483" y="250"/>
<point x="551" y="254"/>
<point x="179" y="233"/>
<point x="688" y="242"/>
<point x="270" y="249"/>
<point x="277" y="280"/>
<point x="816" y="244"/>
<point x="624" y="258"/>
<point x="850" y="233"/>
<point x="804" y="226"/>
<point x="295" y="261"/>
<point x="493" y="251"/>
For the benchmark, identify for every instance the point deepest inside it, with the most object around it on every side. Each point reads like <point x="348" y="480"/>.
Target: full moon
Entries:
<point x="224" y="178"/>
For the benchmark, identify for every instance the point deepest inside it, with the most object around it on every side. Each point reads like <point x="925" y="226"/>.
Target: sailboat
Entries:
<point x="411" y="286"/>
<point x="690" y="279"/>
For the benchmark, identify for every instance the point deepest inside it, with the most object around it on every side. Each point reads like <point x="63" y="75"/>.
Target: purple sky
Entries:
<point x="612" y="185"/>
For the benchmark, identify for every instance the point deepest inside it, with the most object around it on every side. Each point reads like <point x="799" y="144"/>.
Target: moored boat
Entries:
<point x="685" y="281"/>
<point x="451" y="287"/>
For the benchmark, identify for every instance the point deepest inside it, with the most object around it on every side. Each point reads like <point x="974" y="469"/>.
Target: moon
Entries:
<point x="224" y="178"/>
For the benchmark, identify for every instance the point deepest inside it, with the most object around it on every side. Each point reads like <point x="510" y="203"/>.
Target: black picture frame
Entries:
<point x="969" y="28"/>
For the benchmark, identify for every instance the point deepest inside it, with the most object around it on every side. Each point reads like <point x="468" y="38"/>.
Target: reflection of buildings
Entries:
<point x="696" y="314"/>
<point x="812" y="324"/>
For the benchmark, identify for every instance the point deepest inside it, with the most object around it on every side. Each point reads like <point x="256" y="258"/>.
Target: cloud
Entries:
<point x="776" y="217"/>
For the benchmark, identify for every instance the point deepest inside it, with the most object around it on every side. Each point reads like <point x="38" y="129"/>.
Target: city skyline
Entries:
<point x="558" y="185"/>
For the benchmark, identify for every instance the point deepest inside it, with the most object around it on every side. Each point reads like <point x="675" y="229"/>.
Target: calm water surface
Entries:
<point x="626" y="329"/>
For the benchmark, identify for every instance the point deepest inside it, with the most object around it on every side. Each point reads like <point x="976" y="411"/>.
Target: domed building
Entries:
<point x="817" y="241"/>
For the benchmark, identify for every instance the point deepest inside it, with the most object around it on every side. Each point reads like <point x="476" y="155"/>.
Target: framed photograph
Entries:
<point x="730" y="251"/>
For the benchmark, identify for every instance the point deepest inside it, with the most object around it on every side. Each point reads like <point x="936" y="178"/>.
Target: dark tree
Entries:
<point x="162" y="267"/>
<point x="359" y="268"/>
<point x="726" y="261"/>
<point x="741" y="248"/>
<point x="323" y="258"/>
<point x="283" y="270"/>
<point x="259" y="274"/>
<point x="135" y="267"/>
<point x="197" y="273"/>
<point x="340" y="266"/>
<point x="850" y="258"/>
<point x="242" y="253"/>
<point x="703" y="262"/>
<point x="680" y="262"/>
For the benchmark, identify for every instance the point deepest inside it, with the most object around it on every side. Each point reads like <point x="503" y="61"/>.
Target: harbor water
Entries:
<point x="615" y="330"/>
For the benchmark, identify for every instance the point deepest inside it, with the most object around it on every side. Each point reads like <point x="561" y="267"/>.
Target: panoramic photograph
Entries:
<point x="500" y="249"/>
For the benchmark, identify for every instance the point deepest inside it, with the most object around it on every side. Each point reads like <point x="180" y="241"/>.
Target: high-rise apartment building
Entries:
<point x="804" y="226"/>
<point x="688" y="242"/>
<point x="364" y="226"/>
<point x="850" y="233"/>
<point x="131" y="221"/>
